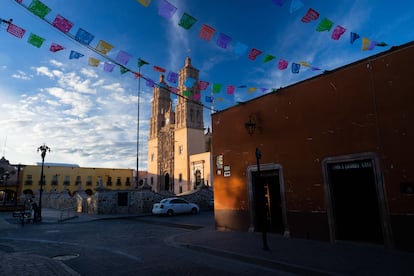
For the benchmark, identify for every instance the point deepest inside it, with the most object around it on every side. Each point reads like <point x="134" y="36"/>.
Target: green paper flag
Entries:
<point x="186" y="93"/>
<point x="141" y="62"/>
<point x="324" y="25"/>
<point x="268" y="58"/>
<point x="187" y="21"/>
<point x="123" y="70"/>
<point x="216" y="88"/>
<point x="35" y="40"/>
<point x="39" y="8"/>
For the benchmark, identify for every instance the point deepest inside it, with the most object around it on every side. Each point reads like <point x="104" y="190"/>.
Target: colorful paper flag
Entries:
<point x="123" y="57"/>
<point x="283" y="64"/>
<point x="354" y="36"/>
<point x="137" y="75"/>
<point x="295" y="5"/>
<point x="174" y="90"/>
<point x="240" y="49"/>
<point x="186" y="93"/>
<point x="15" y="30"/>
<point x="206" y="32"/>
<point x="209" y="99"/>
<point x="75" y="55"/>
<point x="141" y="62"/>
<point x="145" y="3"/>
<point x="159" y="69"/>
<point x="217" y="87"/>
<point x="123" y="70"/>
<point x="295" y="68"/>
<point x="220" y="99"/>
<point x="310" y="15"/>
<point x="254" y="53"/>
<point x="166" y="9"/>
<point x="62" y="24"/>
<point x="84" y="37"/>
<point x="324" y="25"/>
<point x="230" y="89"/>
<point x="242" y="86"/>
<point x="337" y="32"/>
<point x="381" y="44"/>
<point x="304" y="63"/>
<point x="93" y="62"/>
<point x="187" y="21"/>
<point x="172" y="77"/>
<point x="368" y="44"/>
<point x="35" y="40"/>
<point x="54" y="47"/>
<point x="252" y="89"/>
<point x="202" y="85"/>
<point x="223" y="40"/>
<point x="268" y="58"/>
<point x="104" y="47"/>
<point x="38" y="8"/>
<point x="189" y="82"/>
<point x="150" y="83"/>
<point x="196" y="96"/>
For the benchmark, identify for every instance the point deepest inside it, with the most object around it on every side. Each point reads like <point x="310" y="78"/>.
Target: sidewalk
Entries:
<point x="298" y="256"/>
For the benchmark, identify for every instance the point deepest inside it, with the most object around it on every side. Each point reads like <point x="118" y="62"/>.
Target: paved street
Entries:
<point x="86" y="244"/>
<point x="129" y="246"/>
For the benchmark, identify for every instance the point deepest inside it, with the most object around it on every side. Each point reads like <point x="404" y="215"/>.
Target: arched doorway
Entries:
<point x="167" y="182"/>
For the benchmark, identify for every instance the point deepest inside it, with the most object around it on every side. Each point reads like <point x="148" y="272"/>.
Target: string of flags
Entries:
<point x="206" y="33"/>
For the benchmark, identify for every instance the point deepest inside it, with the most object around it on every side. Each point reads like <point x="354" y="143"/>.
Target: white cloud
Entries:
<point x="22" y="75"/>
<point x="56" y="63"/>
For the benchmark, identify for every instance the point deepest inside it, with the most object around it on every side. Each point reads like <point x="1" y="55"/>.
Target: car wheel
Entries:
<point x="194" y="211"/>
<point x="170" y="213"/>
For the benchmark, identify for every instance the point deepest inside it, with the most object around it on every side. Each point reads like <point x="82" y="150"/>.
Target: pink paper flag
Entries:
<point x="62" y="23"/>
<point x="283" y="64"/>
<point x="54" y="47"/>
<point x="337" y="32"/>
<point x="15" y="30"/>
<point x="230" y="89"/>
<point x="254" y="53"/>
<point x="202" y="85"/>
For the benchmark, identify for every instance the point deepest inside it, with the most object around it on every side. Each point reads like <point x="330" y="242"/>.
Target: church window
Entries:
<point x="152" y="157"/>
<point x="180" y="177"/>
<point x="180" y="149"/>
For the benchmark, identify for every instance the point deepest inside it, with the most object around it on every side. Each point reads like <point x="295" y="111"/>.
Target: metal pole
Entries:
<point x="41" y="188"/>
<point x="139" y="94"/>
<point x="264" y="210"/>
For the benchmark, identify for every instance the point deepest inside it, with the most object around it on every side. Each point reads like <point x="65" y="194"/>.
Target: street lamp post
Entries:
<point x="43" y="149"/>
<point x="250" y="126"/>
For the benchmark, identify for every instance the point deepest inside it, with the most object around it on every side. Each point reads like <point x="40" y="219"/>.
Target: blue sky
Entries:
<point x="88" y="116"/>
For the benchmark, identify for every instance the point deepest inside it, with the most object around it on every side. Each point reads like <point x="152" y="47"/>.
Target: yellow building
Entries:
<point x="59" y="177"/>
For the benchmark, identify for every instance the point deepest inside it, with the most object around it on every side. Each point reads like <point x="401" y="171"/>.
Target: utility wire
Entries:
<point x="73" y="38"/>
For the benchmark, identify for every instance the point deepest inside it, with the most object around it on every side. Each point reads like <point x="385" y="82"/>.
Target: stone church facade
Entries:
<point x="177" y="143"/>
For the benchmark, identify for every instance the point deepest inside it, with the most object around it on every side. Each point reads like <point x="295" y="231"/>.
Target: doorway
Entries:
<point x="354" y="201"/>
<point x="267" y="205"/>
<point x="167" y="182"/>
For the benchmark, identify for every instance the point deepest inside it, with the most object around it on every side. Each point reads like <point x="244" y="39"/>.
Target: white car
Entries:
<point x="174" y="205"/>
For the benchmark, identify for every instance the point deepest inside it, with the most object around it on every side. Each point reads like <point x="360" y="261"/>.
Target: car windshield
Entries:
<point x="164" y="200"/>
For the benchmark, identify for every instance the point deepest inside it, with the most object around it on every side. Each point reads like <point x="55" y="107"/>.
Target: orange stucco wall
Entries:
<point x="363" y="107"/>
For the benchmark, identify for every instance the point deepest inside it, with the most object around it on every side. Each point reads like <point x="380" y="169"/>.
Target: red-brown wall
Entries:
<point x="364" y="107"/>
